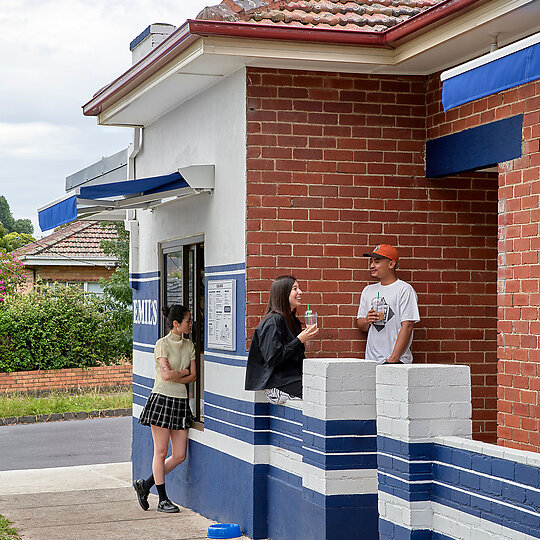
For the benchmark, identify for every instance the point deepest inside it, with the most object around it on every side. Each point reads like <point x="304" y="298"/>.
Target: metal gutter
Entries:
<point x="194" y="29"/>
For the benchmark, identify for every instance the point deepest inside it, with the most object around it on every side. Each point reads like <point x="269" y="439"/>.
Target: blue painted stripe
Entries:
<point x="475" y="148"/>
<point x="392" y="531"/>
<point x="224" y="268"/>
<point x="142" y="380"/>
<point x="284" y="476"/>
<point x="241" y="420"/>
<point x="405" y="450"/>
<point x="501" y="74"/>
<point x="403" y="489"/>
<point x="493" y="511"/>
<point x="142" y="390"/>
<point x="340" y="427"/>
<point x="239" y="405"/>
<point x="139" y="400"/>
<point x="333" y="462"/>
<point x="143" y="348"/>
<point x="358" y="500"/>
<point x="340" y="444"/>
<point x="144" y="275"/>
<point x="241" y="434"/>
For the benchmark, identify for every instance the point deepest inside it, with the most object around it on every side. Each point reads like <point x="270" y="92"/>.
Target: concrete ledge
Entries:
<point x="56" y="417"/>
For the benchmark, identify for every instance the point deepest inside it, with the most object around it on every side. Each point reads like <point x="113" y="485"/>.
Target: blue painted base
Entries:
<point x="266" y="502"/>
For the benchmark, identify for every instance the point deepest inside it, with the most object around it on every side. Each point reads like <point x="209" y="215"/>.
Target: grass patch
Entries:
<point x="7" y="532"/>
<point x="62" y="402"/>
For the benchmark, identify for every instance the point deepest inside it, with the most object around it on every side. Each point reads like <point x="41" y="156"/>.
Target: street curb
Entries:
<point x="56" y="417"/>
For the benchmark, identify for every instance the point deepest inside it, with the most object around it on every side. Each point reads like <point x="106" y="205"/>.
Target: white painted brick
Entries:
<point x="461" y="410"/>
<point x="389" y="375"/>
<point x="449" y="394"/>
<point x="431" y="375"/>
<point x="384" y="426"/>
<point x="418" y="515"/>
<point x="427" y="410"/>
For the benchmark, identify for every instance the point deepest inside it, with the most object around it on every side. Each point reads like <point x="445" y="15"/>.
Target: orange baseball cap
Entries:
<point x="384" y="250"/>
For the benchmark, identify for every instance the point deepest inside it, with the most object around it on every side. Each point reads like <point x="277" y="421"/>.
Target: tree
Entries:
<point x="117" y="286"/>
<point x="14" y="240"/>
<point x="21" y="226"/>
<point x="117" y="290"/>
<point x="6" y="217"/>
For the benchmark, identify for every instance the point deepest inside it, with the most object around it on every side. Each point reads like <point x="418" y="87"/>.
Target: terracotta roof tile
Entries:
<point x="362" y="15"/>
<point x="80" y="239"/>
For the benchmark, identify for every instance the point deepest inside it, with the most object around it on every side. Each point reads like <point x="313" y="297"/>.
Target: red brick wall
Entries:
<point x="66" y="379"/>
<point x="335" y="166"/>
<point x="65" y="273"/>
<point x="519" y="255"/>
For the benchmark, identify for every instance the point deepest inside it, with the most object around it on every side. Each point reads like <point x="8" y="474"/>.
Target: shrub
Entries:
<point x="54" y="328"/>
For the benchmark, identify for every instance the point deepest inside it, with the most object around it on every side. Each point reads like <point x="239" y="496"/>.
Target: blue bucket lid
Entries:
<point x="224" y="530"/>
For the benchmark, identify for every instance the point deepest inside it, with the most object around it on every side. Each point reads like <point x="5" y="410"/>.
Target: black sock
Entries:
<point x="149" y="482"/>
<point x="161" y="492"/>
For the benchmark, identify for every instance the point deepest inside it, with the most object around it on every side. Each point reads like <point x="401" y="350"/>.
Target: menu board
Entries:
<point x="221" y="321"/>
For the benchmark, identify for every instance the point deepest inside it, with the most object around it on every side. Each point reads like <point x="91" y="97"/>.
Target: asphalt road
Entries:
<point x="65" y="443"/>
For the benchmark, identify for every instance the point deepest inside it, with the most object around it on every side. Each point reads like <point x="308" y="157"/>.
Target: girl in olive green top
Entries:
<point x="167" y="410"/>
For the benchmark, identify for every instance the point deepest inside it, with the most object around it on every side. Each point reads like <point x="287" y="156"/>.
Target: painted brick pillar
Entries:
<point x="339" y="484"/>
<point x="415" y="404"/>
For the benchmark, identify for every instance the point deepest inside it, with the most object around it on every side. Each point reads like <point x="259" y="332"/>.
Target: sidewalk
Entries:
<point x="89" y="502"/>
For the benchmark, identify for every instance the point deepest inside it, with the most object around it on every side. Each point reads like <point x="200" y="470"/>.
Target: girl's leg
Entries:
<point x="179" y="446"/>
<point x="161" y="445"/>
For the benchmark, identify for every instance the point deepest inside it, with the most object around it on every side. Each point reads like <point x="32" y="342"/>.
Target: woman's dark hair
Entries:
<point x="176" y="312"/>
<point x="279" y="302"/>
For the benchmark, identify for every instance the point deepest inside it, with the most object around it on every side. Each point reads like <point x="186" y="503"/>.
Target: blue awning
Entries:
<point x="505" y="68"/>
<point x="140" y="193"/>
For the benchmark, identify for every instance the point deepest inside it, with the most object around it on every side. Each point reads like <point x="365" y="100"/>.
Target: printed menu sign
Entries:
<point x="221" y="327"/>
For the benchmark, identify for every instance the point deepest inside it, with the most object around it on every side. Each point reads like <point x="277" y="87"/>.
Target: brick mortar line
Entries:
<point x="55" y="417"/>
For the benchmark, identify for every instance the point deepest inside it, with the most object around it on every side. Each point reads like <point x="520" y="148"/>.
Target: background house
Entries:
<point x="70" y="255"/>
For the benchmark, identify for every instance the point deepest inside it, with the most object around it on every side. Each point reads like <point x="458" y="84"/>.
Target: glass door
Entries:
<point x="183" y="265"/>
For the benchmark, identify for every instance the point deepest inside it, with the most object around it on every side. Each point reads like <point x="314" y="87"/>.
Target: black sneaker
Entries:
<point x="168" y="507"/>
<point x="142" y="493"/>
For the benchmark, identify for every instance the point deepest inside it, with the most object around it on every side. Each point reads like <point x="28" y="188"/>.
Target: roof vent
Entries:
<point x="149" y="39"/>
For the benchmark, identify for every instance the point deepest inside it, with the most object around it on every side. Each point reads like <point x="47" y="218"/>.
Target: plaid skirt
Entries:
<point x="166" y="412"/>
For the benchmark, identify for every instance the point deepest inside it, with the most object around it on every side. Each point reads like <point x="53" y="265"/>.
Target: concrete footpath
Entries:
<point x="89" y="502"/>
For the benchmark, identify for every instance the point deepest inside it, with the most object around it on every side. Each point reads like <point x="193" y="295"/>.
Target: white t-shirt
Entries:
<point x="399" y="303"/>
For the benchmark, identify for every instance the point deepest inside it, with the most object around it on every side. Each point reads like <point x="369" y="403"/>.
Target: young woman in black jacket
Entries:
<point x="277" y="350"/>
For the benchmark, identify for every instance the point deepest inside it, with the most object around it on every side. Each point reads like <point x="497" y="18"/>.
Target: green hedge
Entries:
<point x="63" y="327"/>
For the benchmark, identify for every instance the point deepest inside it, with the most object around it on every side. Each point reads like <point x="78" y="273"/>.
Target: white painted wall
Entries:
<point x="208" y="129"/>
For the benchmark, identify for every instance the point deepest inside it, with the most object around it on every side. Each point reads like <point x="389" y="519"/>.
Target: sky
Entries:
<point x="55" y="55"/>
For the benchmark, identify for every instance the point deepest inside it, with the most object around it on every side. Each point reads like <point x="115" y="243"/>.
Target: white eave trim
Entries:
<point x="36" y="260"/>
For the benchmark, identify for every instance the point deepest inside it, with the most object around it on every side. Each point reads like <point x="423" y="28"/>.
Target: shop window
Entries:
<point x="183" y="283"/>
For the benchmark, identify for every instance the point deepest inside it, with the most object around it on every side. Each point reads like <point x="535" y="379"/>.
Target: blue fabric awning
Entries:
<point x="140" y="193"/>
<point x="505" y="68"/>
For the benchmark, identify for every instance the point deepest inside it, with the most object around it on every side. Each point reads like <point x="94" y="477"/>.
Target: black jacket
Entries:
<point x="275" y="356"/>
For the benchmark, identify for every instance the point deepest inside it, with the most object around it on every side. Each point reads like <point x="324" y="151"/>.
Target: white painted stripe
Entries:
<point x="254" y="415"/>
<point x="448" y="520"/>
<point x="253" y="430"/>
<point x="406" y="481"/>
<point x="403" y="459"/>
<point x="143" y="280"/>
<point x="225" y="273"/>
<point x="341" y="482"/>
<point x="338" y="436"/>
<point x="409" y="514"/>
<point x="340" y="453"/>
<point x="220" y="354"/>
<point x="471" y="493"/>
<point x="137" y="410"/>
<point x="491" y="57"/>
<point x="140" y="344"/>
<point x="491" y="477"/>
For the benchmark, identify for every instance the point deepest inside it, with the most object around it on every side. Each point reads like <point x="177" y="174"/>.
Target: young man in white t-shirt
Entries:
<point x="388" y="310"/>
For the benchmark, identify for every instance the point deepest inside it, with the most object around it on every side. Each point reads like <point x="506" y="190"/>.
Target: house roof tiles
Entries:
<point x="77" y="240"/>
<point x="362" y="15"/>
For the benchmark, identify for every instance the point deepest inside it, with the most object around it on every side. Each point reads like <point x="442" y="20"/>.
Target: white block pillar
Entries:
<point x="339" y="479"/>
<point x="415" y="404"/>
